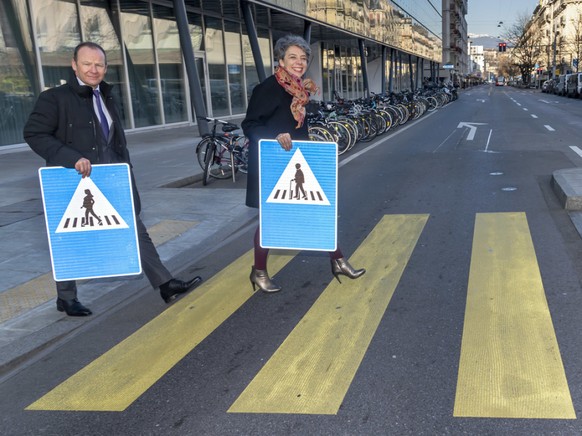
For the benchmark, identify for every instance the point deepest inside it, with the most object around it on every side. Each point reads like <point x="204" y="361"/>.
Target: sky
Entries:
<point x="484" y="16"/>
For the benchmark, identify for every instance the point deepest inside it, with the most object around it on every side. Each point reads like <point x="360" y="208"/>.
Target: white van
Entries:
<point x="572" y="85"/>
<point x="579" y="85"/>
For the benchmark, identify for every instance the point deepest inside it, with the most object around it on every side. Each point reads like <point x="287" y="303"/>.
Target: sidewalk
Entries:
<point x="178" y="220"/>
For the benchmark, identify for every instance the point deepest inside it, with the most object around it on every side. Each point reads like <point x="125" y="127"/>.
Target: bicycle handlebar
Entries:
<point x="212" y="120"/>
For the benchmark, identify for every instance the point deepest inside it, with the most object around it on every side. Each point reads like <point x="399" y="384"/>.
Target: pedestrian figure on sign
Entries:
<point x="88" y="203"/>
<point x="299" y="181"/>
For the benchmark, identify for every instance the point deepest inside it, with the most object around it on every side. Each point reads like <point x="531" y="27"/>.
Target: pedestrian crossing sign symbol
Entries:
<point x="298" y="190"/>
<point x="293" y="179"/>
<point x="90" y="222"/>
<point x="84" y="218"/>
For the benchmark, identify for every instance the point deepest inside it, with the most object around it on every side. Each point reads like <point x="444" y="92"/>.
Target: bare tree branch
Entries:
<point x="526" y="46"/>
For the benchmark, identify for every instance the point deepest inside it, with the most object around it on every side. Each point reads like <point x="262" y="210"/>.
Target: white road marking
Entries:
<point x="549" y="128"/>
<point x="534" y="116"/>
<point x="472" y="128"/>
<point x="488" y="139"/>
<point x="576" y="150"/>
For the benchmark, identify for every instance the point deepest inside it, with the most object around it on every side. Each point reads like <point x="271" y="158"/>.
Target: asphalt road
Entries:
<point x="432" y="212"/>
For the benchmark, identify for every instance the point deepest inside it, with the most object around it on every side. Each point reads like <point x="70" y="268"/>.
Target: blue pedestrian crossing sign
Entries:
<point x="90" y="222"/>
<point x="298" y="195"/>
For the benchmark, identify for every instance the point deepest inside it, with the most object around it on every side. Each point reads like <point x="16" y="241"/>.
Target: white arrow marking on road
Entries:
<point x="472" y="128"/>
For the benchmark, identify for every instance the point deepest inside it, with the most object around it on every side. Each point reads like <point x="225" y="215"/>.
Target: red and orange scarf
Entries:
<point x="299" y="89"/>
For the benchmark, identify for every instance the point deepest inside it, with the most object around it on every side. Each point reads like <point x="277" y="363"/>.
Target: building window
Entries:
<point x="57" y="34"/>
<point x="18" y="84"/>
<point x="141" y="68"/>
<point x="96" y="27"/>
<point x="168" y="49"/>
<point x="234" y="66"/>
<point x="215" y="61"/>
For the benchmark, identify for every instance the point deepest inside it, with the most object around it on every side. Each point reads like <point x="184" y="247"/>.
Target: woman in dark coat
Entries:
<point x="277" y="110"/>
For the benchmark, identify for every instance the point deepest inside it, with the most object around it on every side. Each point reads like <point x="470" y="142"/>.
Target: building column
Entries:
<point x="412" y="87"/>
<point x="307" y="31"/>
<point x="391" y="72"/>
<point x="383" y="69"/>
<point x="253" y="39"/>
<point x="364" y="66"/>
<point x="192" y="72"/>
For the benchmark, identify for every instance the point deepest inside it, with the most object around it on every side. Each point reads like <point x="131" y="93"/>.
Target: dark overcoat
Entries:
<point x="63" y="128"/>
<point x="269" y="113"/>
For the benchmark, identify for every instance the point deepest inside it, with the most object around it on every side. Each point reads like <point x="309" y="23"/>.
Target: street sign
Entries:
<point x="448" y="66"/>
<point x="298" y="190"/>
<point x="90" y="222"/>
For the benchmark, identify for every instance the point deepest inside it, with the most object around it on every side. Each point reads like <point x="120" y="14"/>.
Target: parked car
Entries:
<point x="560" y="85"/>
<point x="550" y="86"/>
<point x="571" y="85"/>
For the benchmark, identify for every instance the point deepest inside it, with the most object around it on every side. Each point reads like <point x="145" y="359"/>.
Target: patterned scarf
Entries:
<point x="299" y="89"/>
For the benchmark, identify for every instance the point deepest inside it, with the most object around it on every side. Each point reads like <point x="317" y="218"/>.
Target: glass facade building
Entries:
<point x="146" y="63"/>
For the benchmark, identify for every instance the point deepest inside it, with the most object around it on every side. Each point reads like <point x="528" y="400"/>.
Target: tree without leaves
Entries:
<point x="575" y="40"/>
<point x="527" y="46"/>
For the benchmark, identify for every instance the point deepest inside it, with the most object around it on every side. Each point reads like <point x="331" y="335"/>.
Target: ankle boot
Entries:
<point x="260" y="278"/>
<point x="342" y="267"/>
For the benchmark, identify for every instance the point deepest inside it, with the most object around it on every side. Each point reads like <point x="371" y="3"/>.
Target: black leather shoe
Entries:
<point x="170" y="290"/>
<point x="72" y="307"/>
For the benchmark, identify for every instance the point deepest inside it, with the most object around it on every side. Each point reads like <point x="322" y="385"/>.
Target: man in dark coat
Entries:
<point x="77" y="125"/>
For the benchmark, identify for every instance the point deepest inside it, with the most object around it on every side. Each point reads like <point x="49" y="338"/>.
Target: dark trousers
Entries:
<point x="151" y="264"/>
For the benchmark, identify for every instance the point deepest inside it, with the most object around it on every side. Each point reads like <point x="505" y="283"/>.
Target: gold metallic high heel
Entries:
<point x="342" y="267"/>
<point x="260" y="278"/>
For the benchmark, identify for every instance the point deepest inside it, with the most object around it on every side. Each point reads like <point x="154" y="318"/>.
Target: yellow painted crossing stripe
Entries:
<point x="116" y="379"/>
<point x="510" y="364"/>
<point x="312" y="370"/>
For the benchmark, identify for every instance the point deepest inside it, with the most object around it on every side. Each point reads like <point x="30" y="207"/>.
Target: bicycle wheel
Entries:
<point x="241" y="154"/>
<point x="352" y="128"/>
<point x="343" y="137"/>
<point x="321" y="131"/>
<point x="201" y="149"/>
<point x="221" y="165"/>
<point x="208" y="158"/>
<point x="316" y="137"/>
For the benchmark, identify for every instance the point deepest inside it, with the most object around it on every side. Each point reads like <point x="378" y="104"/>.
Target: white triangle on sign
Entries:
<point x="288" y="191"/>
<point x="89" y="210"/>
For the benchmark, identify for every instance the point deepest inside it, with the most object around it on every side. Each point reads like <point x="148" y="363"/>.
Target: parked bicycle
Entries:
<point x="349" y="122"/>
<point x="221" y="155"/>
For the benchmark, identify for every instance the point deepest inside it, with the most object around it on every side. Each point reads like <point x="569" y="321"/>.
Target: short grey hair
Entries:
<point x="283" y="44"/>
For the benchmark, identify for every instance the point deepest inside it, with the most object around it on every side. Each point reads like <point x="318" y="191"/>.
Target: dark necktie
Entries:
<point x="102" y="117"/>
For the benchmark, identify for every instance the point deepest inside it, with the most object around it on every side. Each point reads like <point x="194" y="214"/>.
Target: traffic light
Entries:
<point x="502" y="46"/>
